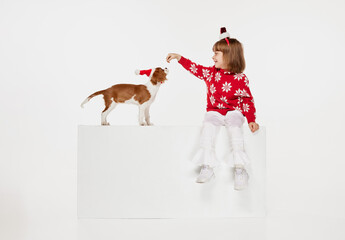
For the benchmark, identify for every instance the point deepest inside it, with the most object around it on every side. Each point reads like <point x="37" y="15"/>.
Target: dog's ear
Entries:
<point x="154" y="79"/>
<point x="158" y="76"/>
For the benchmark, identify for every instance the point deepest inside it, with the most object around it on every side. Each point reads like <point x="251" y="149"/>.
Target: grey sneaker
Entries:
<point x="241" y="178"/>
<point x="206" y="173"/>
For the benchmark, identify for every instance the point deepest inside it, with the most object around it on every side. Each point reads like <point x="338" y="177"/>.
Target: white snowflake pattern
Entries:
<point x="212" y="100"/>
<point x="193" y="68"/>
<point x="245" y="94"/>
<point x="210" y="77"/>
<point x="226" y="87"/>
<point x="205" y="73"/>
<point x="223" y="98"/>
<point x="246" y="81"/>
<point x="212" y="89"/>
<point x="218" y="76"/>
<point x="241" y="93"/>
<point x="220" y="105"/>
<point x="245" y="107"/>
<point x="238" y="92"/>
<point x="238" y="76"/>
<point x="238" y="108"/>
<point x="240" y="100"/>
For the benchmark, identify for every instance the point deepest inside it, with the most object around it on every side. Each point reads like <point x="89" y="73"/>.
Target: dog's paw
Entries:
<point x="106" y="124"/>
<point x="150" y="124"/>
<point x="143" y="124"/>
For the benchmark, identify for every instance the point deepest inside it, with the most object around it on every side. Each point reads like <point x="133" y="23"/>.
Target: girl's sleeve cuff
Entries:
<point x="182" y="60"/>
<point x="250" y="119"/>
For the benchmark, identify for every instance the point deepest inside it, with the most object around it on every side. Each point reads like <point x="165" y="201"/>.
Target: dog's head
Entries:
<point x="159" y="75"/>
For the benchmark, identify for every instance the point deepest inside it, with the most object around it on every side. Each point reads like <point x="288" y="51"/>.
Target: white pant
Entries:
<point x="233" y="122"/>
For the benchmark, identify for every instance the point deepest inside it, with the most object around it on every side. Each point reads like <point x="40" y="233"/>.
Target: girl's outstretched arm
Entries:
<point x="201" y="72"/>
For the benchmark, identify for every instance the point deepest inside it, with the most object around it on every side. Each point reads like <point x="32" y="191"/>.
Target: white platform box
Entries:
<point x="146" y="172"/>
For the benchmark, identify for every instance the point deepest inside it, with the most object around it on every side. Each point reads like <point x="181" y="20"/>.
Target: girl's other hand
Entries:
<point x="172" y="56"/>
<point x="253" y="126"/>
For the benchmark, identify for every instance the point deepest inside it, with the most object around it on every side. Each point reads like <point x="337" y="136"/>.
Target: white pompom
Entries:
<point x="137" y="72"/>
<point x="224" y="35"/>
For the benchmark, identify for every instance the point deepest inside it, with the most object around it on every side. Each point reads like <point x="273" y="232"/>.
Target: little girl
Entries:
<point x="229" y="100"/>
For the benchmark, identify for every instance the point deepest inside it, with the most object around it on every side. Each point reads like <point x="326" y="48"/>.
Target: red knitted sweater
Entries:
<point x="226" y="91"/>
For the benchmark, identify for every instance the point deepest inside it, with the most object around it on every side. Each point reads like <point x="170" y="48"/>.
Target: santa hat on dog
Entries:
<point x="147" y="72"/>
<point x="224" y="35"/>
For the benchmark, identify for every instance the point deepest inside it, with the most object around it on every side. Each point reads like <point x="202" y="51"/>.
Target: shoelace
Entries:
<point x="242" y="175"/>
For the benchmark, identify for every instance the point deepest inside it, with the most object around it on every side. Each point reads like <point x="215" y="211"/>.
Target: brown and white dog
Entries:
<point x="141" y="95"/>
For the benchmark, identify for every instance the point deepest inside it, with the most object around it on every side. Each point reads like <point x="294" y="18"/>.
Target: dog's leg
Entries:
<point x="106" y="111"/>
<point x="147" y="115"/>
<point x="141" y="115"/>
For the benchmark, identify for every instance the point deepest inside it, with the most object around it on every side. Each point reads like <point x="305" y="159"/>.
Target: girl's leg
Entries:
<point x="206" y="153"/>
<point x="206" y="156"/>
<point x="234" y="121"/>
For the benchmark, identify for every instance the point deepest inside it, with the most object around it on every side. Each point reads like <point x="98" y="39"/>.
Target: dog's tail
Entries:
<point x="91" y="96"/>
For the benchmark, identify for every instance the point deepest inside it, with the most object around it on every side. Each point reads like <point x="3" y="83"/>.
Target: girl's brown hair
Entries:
<point x="232" y="54"/>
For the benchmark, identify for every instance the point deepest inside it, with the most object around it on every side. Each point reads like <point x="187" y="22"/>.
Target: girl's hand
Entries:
<point x="253" y="126"/>
<point x="172" y="56"/>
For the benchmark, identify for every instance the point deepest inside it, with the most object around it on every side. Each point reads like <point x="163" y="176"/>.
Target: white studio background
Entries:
<point x="53" y="54"/>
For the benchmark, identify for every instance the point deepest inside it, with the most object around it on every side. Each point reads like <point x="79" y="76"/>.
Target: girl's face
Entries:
<point x="218" y="60"/>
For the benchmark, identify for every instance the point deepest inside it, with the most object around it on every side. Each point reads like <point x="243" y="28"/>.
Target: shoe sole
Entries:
<point x="240" y="188"/>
